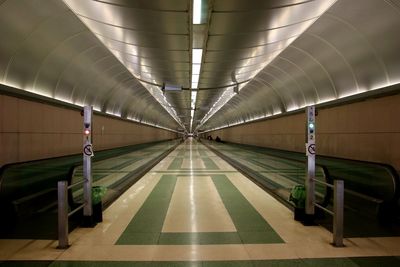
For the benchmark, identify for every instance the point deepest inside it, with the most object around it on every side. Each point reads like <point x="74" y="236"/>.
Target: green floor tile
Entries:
<point x="227" y="264"/>
<point x="342" y="262"/>
<point x="327" y="262"/>
<point x="280" y="263"/>
<point x="244" y="216"/>
<point x="150" y="217"/>
<point x="259" y="237"/>
<point x="210" y="164"/>
<point x="139" y="239"/>
<point x="202" y="153"/>
<point x="376" y="261"/>
<point x="199" y="238"/>
<point x="176" y="164"/>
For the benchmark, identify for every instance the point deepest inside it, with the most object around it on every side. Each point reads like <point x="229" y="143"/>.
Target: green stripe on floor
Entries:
<point x="202" y="152"/>
<point x="251" y="226"/>
<point x="176" y="164"/>
<point x="146" y="225"/>
<point x="199" y="238"/>
<point x="210" y="164"/>
<point x="343" y="262"/>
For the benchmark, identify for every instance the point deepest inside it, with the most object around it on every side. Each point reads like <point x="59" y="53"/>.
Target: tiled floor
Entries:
<point x="193" y="209"/>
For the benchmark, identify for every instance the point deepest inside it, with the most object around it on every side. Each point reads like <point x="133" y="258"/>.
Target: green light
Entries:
<point x="311" y="125"/>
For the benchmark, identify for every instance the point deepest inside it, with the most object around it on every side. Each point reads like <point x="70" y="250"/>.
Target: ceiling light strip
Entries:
<point x="197" y="55"/>
<point x="196" y="11"/>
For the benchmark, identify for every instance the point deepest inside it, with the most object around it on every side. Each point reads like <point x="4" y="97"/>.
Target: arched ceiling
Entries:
<point x="351" y="49"/>
<point x="281" y="54"/>
<point x="47" y="50"/>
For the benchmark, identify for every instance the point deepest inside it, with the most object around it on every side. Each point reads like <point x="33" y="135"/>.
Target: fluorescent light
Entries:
<point x="193" y="100"/>
<point x="196" y="11"/>
<point x="197" y="54"/>
<point x="196" y="69"/>
<point x="195" y="78"/>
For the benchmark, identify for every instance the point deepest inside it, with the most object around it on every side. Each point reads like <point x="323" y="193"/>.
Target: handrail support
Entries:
<point x="62" y="187"/>
<point x="338" y="208"/>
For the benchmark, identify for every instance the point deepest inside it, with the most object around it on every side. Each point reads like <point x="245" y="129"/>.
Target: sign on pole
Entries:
<point x="310" y="152"/>
<point x="87" y="160"/>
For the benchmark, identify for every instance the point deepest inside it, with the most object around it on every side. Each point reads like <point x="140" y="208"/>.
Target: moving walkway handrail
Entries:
<point x="330" y="180"/>
<point x="360" y="195"/>
<point x="389" y="169"/>
<point x="325" y="171"/>
<point x="351" y="192"/>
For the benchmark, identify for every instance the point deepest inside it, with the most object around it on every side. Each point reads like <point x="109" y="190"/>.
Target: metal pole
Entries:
<point x="338" y="207"/>
<point x="62" y="187"/>
<point x="87" y="161"/>
<point x="310" y="152"/>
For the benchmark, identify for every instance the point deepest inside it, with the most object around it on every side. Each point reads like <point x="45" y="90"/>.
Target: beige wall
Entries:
<point x="31" y="130"/>
<point x="367" y="130"/>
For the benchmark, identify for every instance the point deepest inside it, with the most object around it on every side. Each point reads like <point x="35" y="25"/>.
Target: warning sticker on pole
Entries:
<point x="88" y="150"/>
<point x="310" y="149"/>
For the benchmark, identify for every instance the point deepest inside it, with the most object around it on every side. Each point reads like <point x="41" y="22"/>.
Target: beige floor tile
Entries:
<point x="10" y="246"/>
<point x="109" y="253"/>
<point x="118" y="215"/>
<point x="193" y="163"/>
<point x="270" y="251"/>
<point x="194" y="211"/>
<point x="163" y="165"/>
<point x="367" y="246"/>
<point x="38" y="250"/>
<point x="391" y="244"/>
<point x="222" y="164"/>
<point x="201" y="252"/>
<point x="275" y="213"/>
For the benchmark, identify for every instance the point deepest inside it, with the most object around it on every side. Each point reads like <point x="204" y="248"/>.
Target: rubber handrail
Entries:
<point x="328" y="178"/>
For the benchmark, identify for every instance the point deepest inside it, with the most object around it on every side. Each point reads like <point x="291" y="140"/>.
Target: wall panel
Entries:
<point x="366" y="130"/>
<point x="31" y="130"/>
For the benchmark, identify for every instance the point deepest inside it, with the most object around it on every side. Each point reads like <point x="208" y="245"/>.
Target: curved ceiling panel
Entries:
<point x="242" y="39"/>
<point x="152" y="40"/>
<point x="281" y="54"/>
<point x="46" y="50"/>
<point x="351" y="49"/>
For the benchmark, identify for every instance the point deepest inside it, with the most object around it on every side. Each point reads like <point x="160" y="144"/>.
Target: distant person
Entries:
<point x="218" y="139"/>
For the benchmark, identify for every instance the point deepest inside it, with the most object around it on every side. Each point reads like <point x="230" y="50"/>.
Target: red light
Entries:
<point x="87" y="132"/>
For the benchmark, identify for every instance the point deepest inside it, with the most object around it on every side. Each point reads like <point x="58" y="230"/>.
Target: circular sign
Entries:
<point x="87" y="150"/>
<point x="311" y="149"/>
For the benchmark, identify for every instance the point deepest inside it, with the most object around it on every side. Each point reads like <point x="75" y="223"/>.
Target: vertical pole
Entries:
<point x="338" y="202"/>
<point x="87" y="161"/>
<point x="310" y="152"/>
<point x="62" y="188"/>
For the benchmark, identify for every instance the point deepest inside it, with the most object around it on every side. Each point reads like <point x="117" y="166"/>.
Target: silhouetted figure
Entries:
<point x="218" y="139"/>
